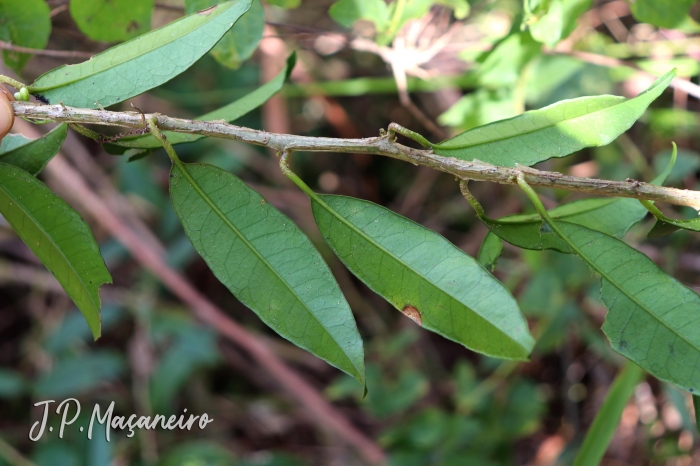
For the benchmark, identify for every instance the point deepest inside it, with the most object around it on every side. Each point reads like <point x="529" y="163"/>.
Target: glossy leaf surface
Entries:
<point x="424" y="276"/>
<point x="263" y="258"/>
<point x="140" y="64"/>
<point x="554" y="131"/>
<point x="59" y="238"/>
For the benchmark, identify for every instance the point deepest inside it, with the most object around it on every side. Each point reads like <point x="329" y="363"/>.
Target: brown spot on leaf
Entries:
<point x="207" y="10"/>
<point x="413" y="314"/>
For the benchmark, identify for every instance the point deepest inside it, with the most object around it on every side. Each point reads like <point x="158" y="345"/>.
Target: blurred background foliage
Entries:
<point x="438" y="67"/>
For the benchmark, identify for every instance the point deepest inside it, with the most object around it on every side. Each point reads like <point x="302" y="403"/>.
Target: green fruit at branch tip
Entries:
<point x="18" y="96"/>
<point x="24" y="94"/>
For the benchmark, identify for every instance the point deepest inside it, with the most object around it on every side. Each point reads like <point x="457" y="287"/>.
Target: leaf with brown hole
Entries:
<point x="449" y="292"/>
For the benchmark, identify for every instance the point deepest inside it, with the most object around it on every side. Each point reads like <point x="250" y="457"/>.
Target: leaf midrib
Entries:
<point x="400" y="261"/>
<point x="182" y="167"/>
<point x="123" y="60"/>
<point x="541" y="128"/>
<point x="629" y="296"/>
<point x="51" y="241"/>
<point x="535" y="218"/>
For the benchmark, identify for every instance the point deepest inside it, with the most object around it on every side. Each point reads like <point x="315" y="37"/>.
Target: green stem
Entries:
<point x="284" y="165"/>
<point x="464" y="187"/>
<point x="80" y="129"/>
<point x="11" y="82"/>
<point x="156" y="132"/>
<point x="397" y="128"/>
<point x="652" y="208"/>
<point x="608" y="417"/>
<point x="540" y="207"/>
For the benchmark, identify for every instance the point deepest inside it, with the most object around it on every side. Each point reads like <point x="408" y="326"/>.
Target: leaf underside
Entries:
<point x="651" y="315"/>
<point x="140" y="64"/>
<point x="423" y="275"/>
<point x="59" y="238"/>
<point x="554" y="131"/>
<point x="266" y="261"/>
<point x="32" y="155"/>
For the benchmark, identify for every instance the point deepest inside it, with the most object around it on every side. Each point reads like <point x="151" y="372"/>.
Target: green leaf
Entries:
<point x="608" y="416"/>
<point x="651" y="315"/>
<point x="25" y="23"/>
<point x="140" y="64"/>
<point x="59" y="238"/>
<point x="346" y="12"/>
<point x="32" y="155"/>
<point x="665" y="226"/>
<point x="667" y="14"/>
<point x="263" y="258"/>
<point x="489" y="252"/>
<point x="556" y="20"/>
<point x="503" y="66"/>
<point x="287" y="4"/>
<point x="229" y="113"/>
<point x="459" y="7"/>
<point x="612" y="216"/>
<point x="424" y="276"/>
<point x="240" y="42"/>
<point x="553" y="131"/>
<point x="112" y="20"/>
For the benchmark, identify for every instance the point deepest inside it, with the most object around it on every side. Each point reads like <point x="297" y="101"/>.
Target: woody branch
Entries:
<point x="384" y="145"/>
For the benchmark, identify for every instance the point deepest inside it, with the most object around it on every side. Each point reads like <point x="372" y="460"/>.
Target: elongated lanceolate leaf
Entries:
<point x="652" y="318"/>
<point x="263" y="258"/>
<point x="554" y="131"/>
<point x="423" y="275"/>
<point x="230" y="112"/>
<point x="608" y="416"/>
<point x="140" y="64"/>
<point x="32" y="155"/>
<point x="59" y="238"/>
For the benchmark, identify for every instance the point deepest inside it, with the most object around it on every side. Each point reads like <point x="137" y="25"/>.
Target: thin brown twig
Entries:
<point x="383" y="145"/>
<point x="44" y="52"/>
<point x="609" y="62"/>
